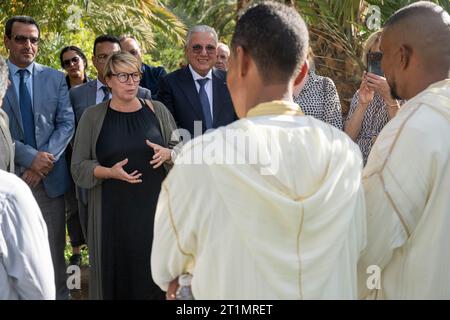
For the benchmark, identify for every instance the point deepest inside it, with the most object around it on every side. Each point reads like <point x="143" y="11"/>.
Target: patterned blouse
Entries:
<point x="374" y="120"/>
<point x="319" y="99"/>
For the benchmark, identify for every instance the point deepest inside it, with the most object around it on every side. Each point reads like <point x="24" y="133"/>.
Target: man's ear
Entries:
<point x="6" y="41"/>
<point x="405" y="56"/>
<point x="302" y="74"/>
<point x="242" y="61"/>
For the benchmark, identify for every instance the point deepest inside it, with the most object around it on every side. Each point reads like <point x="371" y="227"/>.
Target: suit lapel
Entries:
<point x="13" y="102"/>
<point x="92" y="93"/>
<point x="218" y="97"/>
<point x="38" y="81"/>
<point x="188" y="87"/>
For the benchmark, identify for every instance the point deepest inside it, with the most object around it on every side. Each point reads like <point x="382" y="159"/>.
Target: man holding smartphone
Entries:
<point x="407" y="177"/>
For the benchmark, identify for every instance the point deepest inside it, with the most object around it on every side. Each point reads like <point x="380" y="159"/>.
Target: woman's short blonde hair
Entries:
<point x="373" y="39"/>
<point x="121" y="59"/>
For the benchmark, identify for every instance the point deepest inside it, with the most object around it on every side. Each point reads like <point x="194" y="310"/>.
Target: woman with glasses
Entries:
<point x="372" y="105"/>
<point x="74" y="62"/>
<point x="121" y="153"/>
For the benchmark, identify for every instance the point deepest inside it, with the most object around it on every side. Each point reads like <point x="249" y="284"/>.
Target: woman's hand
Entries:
<point x="380" y="85"/>
<point x="117" y="172"/>
<point x="161" y="154"/>
<point x="365" y="93"/>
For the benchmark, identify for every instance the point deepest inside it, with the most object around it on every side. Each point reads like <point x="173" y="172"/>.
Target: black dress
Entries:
<point x="128" y="210"/>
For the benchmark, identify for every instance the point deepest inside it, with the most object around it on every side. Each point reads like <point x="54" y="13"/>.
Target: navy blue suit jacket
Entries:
<point x="179" y="94"/>
<point x="150" y="78"/>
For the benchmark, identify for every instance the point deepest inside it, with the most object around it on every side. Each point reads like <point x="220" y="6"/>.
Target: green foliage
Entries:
<point x="220" y="14"/>
<point x="68" y="254"/>
<point x="78" y="22"/>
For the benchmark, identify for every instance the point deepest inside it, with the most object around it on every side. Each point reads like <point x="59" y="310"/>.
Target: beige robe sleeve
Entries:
<point x="395" y="192"/>
<point x="173" y="249"/>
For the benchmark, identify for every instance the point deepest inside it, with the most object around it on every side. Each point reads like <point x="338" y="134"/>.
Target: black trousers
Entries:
<point x="53" y="213"/>
<point x="73" y="218"/>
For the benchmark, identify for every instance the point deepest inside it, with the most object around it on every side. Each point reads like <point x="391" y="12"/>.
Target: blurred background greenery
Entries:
<point x="338" y="28"/>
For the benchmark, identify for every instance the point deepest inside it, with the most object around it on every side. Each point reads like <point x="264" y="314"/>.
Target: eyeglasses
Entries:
<point x="23" y="40"/>
<point x="67" y="63"/>
<point x="198" y="48"/>
<point x="123" y="77"/>
<point x="102" y="58"/>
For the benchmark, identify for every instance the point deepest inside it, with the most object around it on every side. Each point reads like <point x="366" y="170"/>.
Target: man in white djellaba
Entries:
<point x="275" y="209"/>
<point x="407" y="176"/>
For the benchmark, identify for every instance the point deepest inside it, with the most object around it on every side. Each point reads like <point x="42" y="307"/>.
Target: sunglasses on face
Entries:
<point x="123" y="77"/>
<point x="198" y="48"/>
<point x="23" y="40"/>
<point x="67" y="63"/>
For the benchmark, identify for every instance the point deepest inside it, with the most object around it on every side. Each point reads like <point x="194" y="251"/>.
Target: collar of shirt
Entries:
<point x="15" y="76"/>
<point x="208" y="86"/>
<point x="100" y="94"/>
<point x="196" y="76"/>
<point x="100" y="85"/>
<point x="13" y="68"/>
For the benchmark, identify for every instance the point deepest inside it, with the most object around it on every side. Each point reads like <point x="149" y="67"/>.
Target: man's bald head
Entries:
<point x="416" y="44"/>
<point x="426" y="27"/>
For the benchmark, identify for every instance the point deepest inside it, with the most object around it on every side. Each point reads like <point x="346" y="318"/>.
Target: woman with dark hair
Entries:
<point x="74" y="62"/>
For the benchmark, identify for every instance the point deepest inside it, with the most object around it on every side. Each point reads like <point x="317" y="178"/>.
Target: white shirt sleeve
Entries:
<point x="24" y="249"/>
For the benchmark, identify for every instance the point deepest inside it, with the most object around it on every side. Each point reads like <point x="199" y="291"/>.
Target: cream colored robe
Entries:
<point x="245" y="234"/>
<point x="6" y="144"/>
<point x="407" y="189"/>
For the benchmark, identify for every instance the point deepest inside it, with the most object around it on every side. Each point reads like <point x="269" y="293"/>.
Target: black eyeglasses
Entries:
<point x="23" y="39"/>
<point x="67" y="63"/>
<point x="123" y="77"/>
<point x="198" y="48"/>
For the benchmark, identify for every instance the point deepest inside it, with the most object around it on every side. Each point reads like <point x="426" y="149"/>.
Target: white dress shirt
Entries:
<point x="100" y="92"/>
<point x="208" y="87"/>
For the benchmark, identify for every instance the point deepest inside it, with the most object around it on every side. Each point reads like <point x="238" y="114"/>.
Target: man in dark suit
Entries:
<point x="41" y="125"/>
<point x="92" y="93"/>
<point x="198" y="92"/>
<point x="150" y="75"/>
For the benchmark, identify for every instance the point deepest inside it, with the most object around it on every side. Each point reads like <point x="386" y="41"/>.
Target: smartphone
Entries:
<point x="374" y="63"/>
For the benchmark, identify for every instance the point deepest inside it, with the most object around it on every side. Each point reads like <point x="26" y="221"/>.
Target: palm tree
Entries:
<point x="77" y="22"/>
<point x="338" y="30"/>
